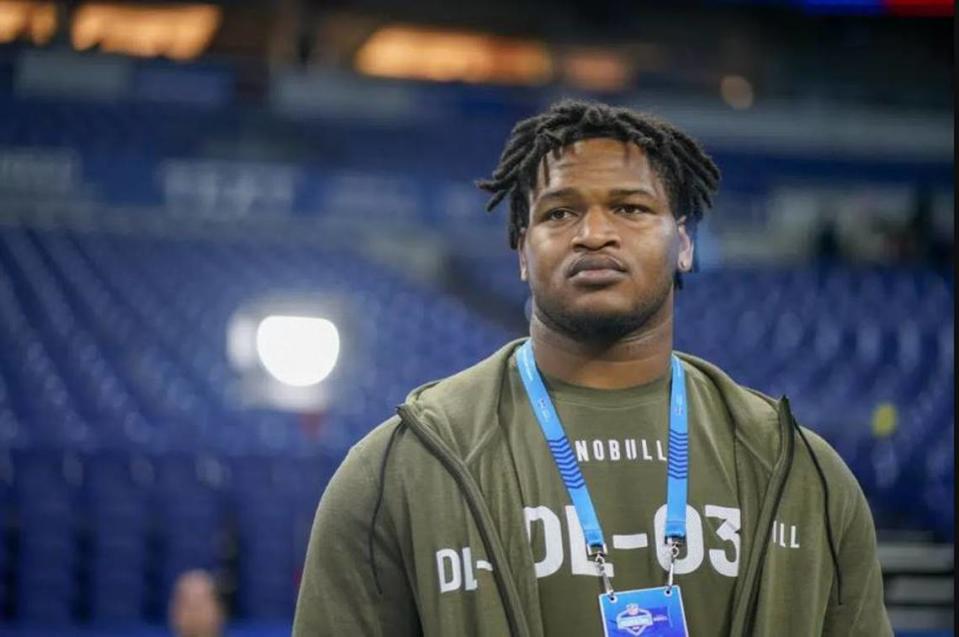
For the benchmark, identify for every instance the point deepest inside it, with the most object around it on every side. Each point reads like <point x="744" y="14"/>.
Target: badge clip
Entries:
<point x="607" y="584"/>
<point x="674" y="544"/>
<point x="598" y="554"/>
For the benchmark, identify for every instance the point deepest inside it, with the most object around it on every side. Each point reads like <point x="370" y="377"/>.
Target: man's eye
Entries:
<point x="630" y="209"/>
<point x="557" y="214"/>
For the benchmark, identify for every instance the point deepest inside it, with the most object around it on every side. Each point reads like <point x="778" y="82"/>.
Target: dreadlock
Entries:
<point x="689" y="175"/>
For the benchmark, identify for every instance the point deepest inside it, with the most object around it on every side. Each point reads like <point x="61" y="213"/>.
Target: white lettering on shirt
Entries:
<point x="457" y="570"/>
<point x="780" y="530"/>
<point x="450" y="579"/>
<point x="615" y="450"/>
<point x="552" y="538"/>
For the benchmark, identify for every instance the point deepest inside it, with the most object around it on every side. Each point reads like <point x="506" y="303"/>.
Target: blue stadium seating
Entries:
<point x="132" y="462"/>
<point x="46" y="493"/>
<point x="117" y="128"/>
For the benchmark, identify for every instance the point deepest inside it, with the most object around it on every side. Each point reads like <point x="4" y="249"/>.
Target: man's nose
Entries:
<point x="596" y="229"/>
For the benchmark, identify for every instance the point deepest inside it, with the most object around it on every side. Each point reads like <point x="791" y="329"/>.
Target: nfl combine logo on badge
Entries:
<point x="649" y="612"/>
<point x="634" y="619"/>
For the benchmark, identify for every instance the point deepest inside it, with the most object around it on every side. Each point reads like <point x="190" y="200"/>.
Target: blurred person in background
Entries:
<point x="544" y="491"/>
<point x="195" y="608"/>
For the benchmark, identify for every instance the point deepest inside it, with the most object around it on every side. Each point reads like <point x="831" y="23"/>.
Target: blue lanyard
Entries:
<point x="677" y="467"/>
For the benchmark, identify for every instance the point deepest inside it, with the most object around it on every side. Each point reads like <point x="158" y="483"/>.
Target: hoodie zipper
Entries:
<point x="744" y="613"/>
<point x="505" y="584"/>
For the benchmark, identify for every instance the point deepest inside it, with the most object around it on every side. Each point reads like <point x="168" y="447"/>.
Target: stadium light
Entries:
<point x="297" y="350"/>
<point x="177" y="31"/>
<point x="414" y="52"/>
<point x="35" y="20"/>
<point x="736" y="91"/>
<point x="596" y="69"/>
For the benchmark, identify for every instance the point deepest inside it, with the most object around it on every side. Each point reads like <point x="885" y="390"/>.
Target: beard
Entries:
<point x="596" y="325"/>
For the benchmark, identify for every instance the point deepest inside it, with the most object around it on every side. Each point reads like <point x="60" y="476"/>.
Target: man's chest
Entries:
<point x="629" y="495"/>
<point x="623" y="461"/>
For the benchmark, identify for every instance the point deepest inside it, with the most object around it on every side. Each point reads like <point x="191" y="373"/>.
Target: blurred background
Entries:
<point x="234" y="235"/>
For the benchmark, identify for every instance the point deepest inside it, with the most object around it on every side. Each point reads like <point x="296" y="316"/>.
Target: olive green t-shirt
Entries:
<point x="620" y="440"/>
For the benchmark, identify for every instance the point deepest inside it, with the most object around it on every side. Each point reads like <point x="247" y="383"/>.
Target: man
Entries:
<point x="589" y="480"/>
<point x="195" y="609"/>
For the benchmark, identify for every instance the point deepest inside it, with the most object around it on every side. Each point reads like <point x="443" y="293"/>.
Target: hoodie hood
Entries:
<point x="439" y="405"/>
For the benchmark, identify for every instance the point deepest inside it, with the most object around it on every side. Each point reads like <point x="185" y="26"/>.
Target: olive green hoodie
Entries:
<point x="432" y="490"/>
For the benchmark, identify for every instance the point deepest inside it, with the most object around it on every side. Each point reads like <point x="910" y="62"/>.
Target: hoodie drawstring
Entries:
<point x="376" y="508"/>
<point x="825" y="488"/>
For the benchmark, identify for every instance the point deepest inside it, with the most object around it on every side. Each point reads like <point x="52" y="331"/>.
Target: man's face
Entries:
<point x="602" y="245"/>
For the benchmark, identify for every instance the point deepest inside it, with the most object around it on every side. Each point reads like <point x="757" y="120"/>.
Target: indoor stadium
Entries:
<point x="235" y="235"/>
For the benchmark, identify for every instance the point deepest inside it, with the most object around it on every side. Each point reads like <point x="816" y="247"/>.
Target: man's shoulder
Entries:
<point x="463" y="408"/>
<point x="755" y="415"/>
<point x="368" y="452"/>
<point x="747" y="399"/>
<point x="459" y="407"/>
<point x="836" y="473"/>
<point x="483" y="376"/>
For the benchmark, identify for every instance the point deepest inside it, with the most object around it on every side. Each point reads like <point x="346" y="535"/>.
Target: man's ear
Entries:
<point x="520" y="250"/>
<point x="686" y="246"/>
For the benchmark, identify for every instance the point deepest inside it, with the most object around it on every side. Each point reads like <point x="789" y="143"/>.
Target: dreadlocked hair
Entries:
<point x="689" y="175"/>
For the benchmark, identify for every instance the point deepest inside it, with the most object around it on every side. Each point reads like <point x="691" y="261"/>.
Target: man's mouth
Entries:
<point x="597" y="270"/>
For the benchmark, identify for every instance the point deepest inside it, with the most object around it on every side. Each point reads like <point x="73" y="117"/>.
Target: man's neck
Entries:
<point x="636" y="359"/>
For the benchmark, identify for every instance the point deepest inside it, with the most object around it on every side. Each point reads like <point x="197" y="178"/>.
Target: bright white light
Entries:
<point x="297" y="350"/>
